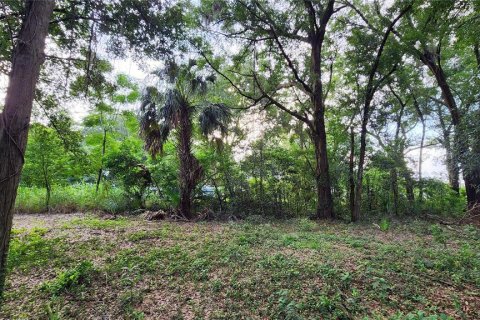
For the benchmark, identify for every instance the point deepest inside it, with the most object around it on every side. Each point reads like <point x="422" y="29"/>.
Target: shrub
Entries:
<point x="384" y="224"/>
<point x="70" y="198"/>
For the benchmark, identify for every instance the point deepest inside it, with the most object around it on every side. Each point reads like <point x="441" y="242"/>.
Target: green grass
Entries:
<point x="97" y="223"/>
<point x="296" y="269"/>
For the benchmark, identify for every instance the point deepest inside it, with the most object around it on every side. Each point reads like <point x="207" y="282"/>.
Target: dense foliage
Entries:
<point x="261" y="115"/>
<point x="394" y="80"/>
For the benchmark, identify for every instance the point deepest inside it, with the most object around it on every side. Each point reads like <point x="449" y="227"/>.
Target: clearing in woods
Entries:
<point x="84" y="267"/>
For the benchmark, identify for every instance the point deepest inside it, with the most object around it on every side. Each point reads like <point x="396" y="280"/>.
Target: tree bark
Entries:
<point x="408" y="185"/>
<point x="190" y="169"/>
<point x="318" y="134"/>
<point x="322" y="178"/>
<point x="452" y="165"/>
<point x="461" y="141"/>
<point x="28" y="57"/>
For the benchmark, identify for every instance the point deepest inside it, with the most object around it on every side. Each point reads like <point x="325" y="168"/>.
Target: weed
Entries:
<point x="71" y="279"/>
<point x="306" y="225"/>
<point x="287" y="309"/>
<point x="438" y="235"/>
<point x="32" y="249"/>
<point x="384" y="224"/>
<point x="96" y="223"/>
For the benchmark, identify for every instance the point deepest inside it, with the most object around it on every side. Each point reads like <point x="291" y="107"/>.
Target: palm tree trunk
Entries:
<point x="190" y="168"/>
<point x="28" y="57"/>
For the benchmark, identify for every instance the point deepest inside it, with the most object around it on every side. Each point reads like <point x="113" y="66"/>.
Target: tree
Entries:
<point x="102" y="121"/>
<point x="373" y="83"/>
<point x="46" y="160"/>
<point x="438" y="33"/>
<point x="27" y="60"/>
<point x="161" y="112"/>
<point x="274" y="34"/>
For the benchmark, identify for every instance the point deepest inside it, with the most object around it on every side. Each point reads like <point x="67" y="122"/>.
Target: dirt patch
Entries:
<point x="30" y="221"/>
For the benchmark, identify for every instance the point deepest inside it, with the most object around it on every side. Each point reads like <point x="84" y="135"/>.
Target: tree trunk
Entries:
<point x="322" y="179"/>
<point x="452" y="165"/>
<point x="100" y="171"/>
<point x="318" y="133"/>
<point x="461" y="141"/>
<point x="472" y="185"/>
<point x="351" y="179"/>
<point x="453" y="170"/>
<point x="430" y="60"/>
<point x="422" y="142"/>
<point x="361" y="163"/>
<point x="14" y="121"/>
<point x="190" y="169"/>
<point x="394" y="185"/>
<point x="472" y="180"/>
<point x="369" y="93"/>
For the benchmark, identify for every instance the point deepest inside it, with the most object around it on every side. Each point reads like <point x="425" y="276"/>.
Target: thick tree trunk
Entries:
<point x="451" y="164"/>
<point x="430" y="60"/>
<point x="461" y="140"/>
<point x="472" y="188"/>
<point x="190" y="169"/>
<point x="472" y="180"/>
<point x="14" y="121"/>
<point x="322" y="178"/>
<point x="318" y="134"/>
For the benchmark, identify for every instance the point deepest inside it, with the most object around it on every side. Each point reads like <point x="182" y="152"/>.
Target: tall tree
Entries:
<point x="430" y="37"/>
<point x="165" y="110"/>
<point x="375" y="80"/>
<point x="28" y="58"/>
<point x="288" y="42"/>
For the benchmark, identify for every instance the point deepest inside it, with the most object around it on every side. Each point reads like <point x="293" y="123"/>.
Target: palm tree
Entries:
<point x="172" y="108"/>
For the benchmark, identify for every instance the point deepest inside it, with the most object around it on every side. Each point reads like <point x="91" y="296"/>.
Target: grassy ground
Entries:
<point x="83" y="267"/>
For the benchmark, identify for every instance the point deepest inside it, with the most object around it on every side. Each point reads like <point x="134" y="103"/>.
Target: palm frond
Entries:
<point x="173" y="102"/>
<point x="149" y="122"/>
<point x="198" y="85"/>
<point x="213" y="117"/>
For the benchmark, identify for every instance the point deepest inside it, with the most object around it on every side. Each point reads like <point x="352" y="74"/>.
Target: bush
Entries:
<point x="70" y="198"/>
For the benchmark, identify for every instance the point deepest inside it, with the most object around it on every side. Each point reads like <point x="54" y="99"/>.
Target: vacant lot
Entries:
<point x="85" y="267"/>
